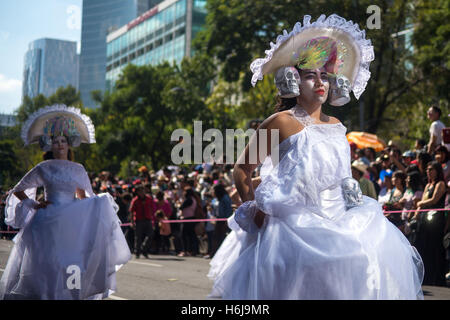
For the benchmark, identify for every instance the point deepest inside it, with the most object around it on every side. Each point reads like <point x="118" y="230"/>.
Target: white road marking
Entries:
<point x="116" y="298"/>
<point x="2" y="270"/>
<point x="147" y="264"/>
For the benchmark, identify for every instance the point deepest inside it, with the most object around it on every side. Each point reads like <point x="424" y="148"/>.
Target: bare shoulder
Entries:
<point x="280" y="120"/>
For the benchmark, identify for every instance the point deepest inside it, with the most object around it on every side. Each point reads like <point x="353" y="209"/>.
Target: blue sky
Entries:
<point x="23" y="21"/>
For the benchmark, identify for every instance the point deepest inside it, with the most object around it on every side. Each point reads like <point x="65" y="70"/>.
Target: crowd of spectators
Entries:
<point x="147" y="201"/>
<point x="413" y="186"/>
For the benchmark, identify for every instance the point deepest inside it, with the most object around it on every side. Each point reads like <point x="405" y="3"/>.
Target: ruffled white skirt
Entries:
<point x="358" y="254"/>
<point x="67" y="251"/>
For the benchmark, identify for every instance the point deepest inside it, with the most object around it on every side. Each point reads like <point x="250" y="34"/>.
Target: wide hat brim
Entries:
<point x="346" y="34"/>
<point x="286" y="54"/>
<point x="33" y="128"/>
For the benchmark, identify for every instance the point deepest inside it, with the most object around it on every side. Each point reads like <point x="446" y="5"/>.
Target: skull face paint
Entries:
<point x="287" y="80"/>
<point x="340" y="88"/>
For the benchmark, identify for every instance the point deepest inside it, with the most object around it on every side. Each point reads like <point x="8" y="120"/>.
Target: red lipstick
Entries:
<point x="320" y="91"/>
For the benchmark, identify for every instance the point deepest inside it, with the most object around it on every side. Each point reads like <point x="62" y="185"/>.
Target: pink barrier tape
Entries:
<point x="193" y="220"/>
<point x="400" y="211"/>
<point x="225" y="219"/>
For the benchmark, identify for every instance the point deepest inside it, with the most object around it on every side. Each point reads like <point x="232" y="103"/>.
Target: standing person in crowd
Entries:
<point x="412" y="195"/>
<point x="434" y="115"/>
<point x="163" y="205"/>
<point x="431" y="227"/>
<point x="128" y="230"/>
<point x="423" y="158"/>
<point x="442" y="156"/>
<point x="370" y="154"/>
<point x="359" y="169"/>
<point x="386" y="187"/>
<point x="393" y="204"/>
<point x="164" y="230"/>
<point x="374" y="176"/>
<point x="362" y="156"/>
<point x="395" y="156"/>
<point x="419" y="146"/>
<point x="143" y="209"/>
<point x="353" y="155"/>
<point x="190" y="239"/>
<point x="210" y="225"/>
<point x="408" y="157"/>
<point x="225" y="210"/>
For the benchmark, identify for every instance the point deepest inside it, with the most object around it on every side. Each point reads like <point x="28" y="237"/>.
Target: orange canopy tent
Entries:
<point x="366" y="140"/>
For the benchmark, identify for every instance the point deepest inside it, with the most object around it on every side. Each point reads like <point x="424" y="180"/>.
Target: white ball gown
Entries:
<point x="69" y="250"/>
<point x="311" y="246"/>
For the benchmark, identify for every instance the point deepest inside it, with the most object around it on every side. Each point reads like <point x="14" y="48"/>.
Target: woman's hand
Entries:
<point x="259" y="218"/>
<point x="42" y="204"/>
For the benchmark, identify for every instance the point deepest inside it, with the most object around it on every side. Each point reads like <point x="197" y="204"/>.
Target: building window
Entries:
<point x="180" y="20"/>
<point x="180" y="32"/>
<point x="168" y="38"/>
<point x="149" y="37"/>
<point x="159" y="32"/>
<point x="158" y="43"/>
<point x="149" y="47"/>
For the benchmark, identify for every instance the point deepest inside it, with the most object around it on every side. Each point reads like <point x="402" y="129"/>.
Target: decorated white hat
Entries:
<point x="55" y="120"/>
<point x="333" y="42"/>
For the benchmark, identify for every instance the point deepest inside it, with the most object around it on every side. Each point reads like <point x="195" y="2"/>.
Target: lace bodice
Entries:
<point x="311" y="161"/>
<point x="60" y="179"/>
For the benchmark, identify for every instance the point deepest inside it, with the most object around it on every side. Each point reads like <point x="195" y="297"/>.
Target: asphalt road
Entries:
<point x="165" y="277"/>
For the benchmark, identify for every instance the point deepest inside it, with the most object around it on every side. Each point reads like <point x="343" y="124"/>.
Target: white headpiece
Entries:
<point x="53" y="120"/>
<point x="333" y="42"/>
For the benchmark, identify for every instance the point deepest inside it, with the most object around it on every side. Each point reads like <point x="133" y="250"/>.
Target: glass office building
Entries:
<point x="49" y="64"/>
<point x="99" y="17"/>
<point x="163" y="33"/>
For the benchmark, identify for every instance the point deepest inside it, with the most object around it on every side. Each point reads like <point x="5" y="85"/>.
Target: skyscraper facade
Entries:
<point x="163" y="33"/>
<point x="99" y="17"/>
<point x="49" y="64"/>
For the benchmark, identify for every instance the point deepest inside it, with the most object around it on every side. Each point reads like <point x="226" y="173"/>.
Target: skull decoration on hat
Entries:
<point x="340" y="88"/>
<point x="58" y="120"/>
<point x="334" y="43"/>
<point x="287" y="80"/>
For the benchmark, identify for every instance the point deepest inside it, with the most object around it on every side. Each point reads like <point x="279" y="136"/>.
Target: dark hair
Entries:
<point x="443" y="149"/>
<point x="415" y="181"/>
<point x="189" y="192"/>
<point x="424" y="158"/>
<point x="160" y="195"/>
<point x="438" y="167"/>
<point x="285" y="104"/>
<point x="127" y="196"/>
<point x="412" y="168"/>
<point x="399" y="174"/>
<point x="437" y="109"/>
<point x="49" y="155"/>
<point x="421" y="142"/>
<point x="220" y="191"/>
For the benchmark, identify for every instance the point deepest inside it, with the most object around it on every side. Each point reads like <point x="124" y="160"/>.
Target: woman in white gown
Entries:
<point x="306" y="231"/>
<point x="68" y="247"/>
